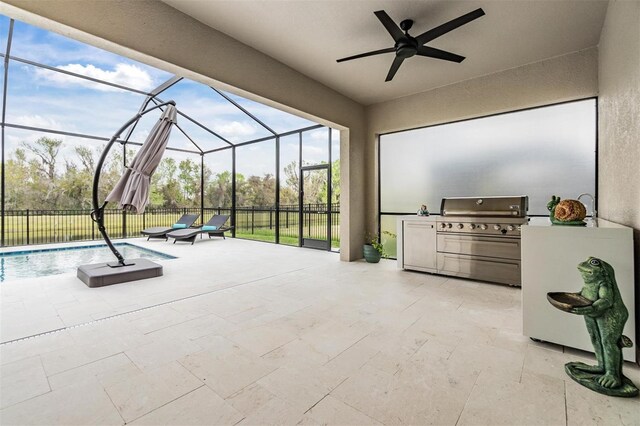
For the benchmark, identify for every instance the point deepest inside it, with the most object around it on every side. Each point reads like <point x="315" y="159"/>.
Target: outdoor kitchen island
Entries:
<point x="550" y="256"/>
<point x="473" y="237"/>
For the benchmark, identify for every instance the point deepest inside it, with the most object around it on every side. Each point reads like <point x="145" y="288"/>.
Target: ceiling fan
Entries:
<point x="407" y="46"/>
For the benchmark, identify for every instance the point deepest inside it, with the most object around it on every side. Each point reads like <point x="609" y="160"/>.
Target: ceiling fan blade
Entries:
<point x="362" y="55"/>
<point x="439" y="54"/>
<point x="391" y="26"/>
<point x="449" y="26"/>
<point x="394" y="68"/>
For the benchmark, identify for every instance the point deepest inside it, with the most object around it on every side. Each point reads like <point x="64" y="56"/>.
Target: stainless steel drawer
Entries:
<point x="506" y="248"/>
<point x="481" y="268"/>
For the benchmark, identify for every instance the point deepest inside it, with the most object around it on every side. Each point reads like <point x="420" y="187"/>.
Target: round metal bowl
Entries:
<point x="567" y="301"/>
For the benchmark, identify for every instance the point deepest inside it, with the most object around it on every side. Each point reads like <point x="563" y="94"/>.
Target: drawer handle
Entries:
<point x="482" y="260"/>
<point x="469" y="240"/>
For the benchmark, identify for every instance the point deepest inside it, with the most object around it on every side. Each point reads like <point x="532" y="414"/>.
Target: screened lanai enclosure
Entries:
<point x="276" y="174"/>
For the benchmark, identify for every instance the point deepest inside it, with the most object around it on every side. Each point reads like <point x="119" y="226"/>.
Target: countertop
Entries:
<point x="430" y="218"/>
<point x="591" y="224"/>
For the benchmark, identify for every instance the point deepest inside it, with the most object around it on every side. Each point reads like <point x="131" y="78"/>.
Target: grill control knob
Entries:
<point x="472" y="226"/>
<point x="449" y="225"/>
<point x="496" y="227"/>
<point x="483" y="226"/>
<point x="460" y="226"/>
<point x="443" y="225"/>
<point x="510" y="228"/>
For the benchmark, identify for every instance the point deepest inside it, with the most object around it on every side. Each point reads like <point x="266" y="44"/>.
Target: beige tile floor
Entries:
<point x="240" y="332"/>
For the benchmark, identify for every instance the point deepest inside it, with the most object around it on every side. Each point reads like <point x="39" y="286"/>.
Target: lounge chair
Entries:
<point x="214" y="227"/>
<point x="161" y="231"/>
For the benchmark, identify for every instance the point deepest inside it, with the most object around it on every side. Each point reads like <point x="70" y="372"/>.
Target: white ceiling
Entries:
<point x="310" y="35"/>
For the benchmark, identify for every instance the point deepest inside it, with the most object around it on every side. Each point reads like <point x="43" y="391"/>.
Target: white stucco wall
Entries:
<point x="619" y="124"/>
<point x="619" y="114"/>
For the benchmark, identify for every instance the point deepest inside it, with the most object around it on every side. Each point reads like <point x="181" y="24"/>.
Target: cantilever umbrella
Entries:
<point x="132" y="193"/>
<point x="132" y="190"/>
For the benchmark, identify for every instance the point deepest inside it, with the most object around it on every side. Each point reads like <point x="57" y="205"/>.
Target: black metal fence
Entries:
<point x="25" y="227"/>
<point x="259" y="222"/>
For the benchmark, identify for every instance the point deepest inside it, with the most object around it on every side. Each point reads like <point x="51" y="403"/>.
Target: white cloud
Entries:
<point x="236" y="129"/>
<point x="37" y="121"/>
<point x="139" y="135"/>
<point x="318" y="135"/>
<point x="15" y="141"/>
<point x="309" y="149"/>
<point x="124" y="74"/>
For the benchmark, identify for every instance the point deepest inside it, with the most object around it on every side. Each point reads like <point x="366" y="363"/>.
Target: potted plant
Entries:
<point x="374" y="249"/>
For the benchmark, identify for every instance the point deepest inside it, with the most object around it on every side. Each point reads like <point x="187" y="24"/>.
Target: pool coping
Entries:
<point x="86" y="246"/>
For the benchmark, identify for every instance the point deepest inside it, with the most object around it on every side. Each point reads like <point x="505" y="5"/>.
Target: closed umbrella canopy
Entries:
<point x="132" y="190"/>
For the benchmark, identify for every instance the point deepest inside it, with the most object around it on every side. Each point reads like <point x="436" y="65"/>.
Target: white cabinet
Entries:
<point x="417" y="244"/>
<point x="550" y="256"/>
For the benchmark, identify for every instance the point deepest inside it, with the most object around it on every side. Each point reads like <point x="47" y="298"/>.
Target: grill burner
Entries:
<point x="479" y="237"/>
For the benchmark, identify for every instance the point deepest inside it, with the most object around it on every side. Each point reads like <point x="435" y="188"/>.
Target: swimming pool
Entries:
<point x="44" y="262"/>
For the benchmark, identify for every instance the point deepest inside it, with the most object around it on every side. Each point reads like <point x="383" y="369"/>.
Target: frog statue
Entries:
<point x="566" y="212"/>
<point x="605" y="318"/>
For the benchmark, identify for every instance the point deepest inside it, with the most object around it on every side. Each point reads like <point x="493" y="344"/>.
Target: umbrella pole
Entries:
<point x="97" y="214"/>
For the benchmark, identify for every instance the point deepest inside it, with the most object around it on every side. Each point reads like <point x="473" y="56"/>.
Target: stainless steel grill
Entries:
<point x="479" y="237"/>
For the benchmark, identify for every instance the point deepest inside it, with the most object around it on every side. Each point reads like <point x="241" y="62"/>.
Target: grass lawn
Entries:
<point x="270" y="236"/>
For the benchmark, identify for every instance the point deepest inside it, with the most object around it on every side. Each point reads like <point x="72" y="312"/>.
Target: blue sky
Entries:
<point x="42" y="98"/>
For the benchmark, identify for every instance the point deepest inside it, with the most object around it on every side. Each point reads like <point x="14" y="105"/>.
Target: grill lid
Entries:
<point x="512" y="206"/>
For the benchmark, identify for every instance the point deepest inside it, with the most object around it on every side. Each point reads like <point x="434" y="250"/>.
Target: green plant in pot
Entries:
<point x="373" y="248"/>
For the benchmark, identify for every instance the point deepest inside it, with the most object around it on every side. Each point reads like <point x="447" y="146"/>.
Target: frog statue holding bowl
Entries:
<point x="605" y="315"/>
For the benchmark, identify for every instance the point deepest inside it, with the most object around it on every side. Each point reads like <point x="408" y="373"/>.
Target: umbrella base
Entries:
<point x="102" y="274"/>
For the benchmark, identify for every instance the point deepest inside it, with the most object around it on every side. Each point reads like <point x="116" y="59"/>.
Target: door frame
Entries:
<point x="311" y="242"/>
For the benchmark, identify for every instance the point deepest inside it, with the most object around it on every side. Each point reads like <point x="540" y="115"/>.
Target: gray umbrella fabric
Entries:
<point x="132" y="190"/>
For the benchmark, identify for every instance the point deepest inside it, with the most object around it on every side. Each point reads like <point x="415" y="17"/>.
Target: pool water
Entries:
<point x="45" y="262"/>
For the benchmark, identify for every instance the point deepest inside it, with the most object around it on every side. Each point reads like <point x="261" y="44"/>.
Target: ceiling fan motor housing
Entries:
<point x="406" y="47"/>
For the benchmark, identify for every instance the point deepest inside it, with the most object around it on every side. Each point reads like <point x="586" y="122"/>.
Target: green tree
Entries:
<point x="17" y="181"/>
<point x="74" y="188"/>
<point x="218" y="190"/>
<point x="85" y="155"/>
<point x="36" y="178"/>
<point x="189" y="181"/>
<point x="42" y="171"/>
<point x="46" y="149"/>
<point x="335" y="181"/>
<point x="76" y="184"/>
<point x="261" y="190"/>
<point x="165" y="189"/>
<point x="292" y="180"/>
<point x="242" y="191"/>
